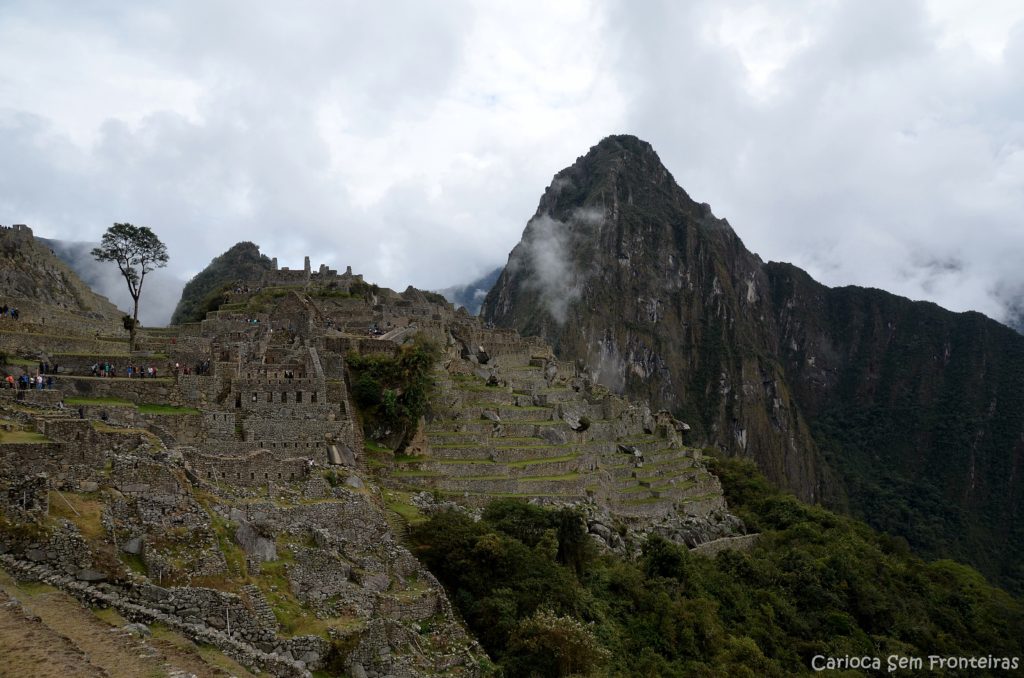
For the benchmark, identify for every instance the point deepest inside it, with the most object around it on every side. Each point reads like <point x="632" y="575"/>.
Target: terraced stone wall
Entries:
<point x="47" y="317"/>
<point x="162" y="390"/>
<point x="134" y="474"/>
<point x="17" y="340"/>
<point x="249" y="470"/>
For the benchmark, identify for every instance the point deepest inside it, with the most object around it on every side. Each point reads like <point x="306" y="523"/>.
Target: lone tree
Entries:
<point x="137" y="251"/>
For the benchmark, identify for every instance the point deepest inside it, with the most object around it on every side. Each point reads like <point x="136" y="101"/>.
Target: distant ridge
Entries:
<point x="471" y="295"/>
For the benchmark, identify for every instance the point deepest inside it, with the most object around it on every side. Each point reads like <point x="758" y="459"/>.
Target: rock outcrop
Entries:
<point x="905" y="413"/>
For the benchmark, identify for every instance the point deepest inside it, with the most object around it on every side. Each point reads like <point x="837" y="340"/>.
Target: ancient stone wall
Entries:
<point x="160" y="390"/>
<point x="16" y="341"/>
<point x="249" y="470"/>
<point x="137" y="475"/>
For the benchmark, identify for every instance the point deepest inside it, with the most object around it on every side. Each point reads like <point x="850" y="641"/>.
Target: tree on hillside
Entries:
<point x="137" y="251"/>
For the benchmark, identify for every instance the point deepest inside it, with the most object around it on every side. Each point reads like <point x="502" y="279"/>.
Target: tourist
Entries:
<point x="49" y="383"/>
<point x="39" y="382"/>
<point x="10" y="381"/>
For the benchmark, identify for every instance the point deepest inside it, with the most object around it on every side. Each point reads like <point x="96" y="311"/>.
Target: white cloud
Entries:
<point x="864" y="141"/>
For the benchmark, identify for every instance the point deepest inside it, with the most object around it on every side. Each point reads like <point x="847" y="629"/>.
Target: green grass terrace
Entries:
<point x="143" y="408"/>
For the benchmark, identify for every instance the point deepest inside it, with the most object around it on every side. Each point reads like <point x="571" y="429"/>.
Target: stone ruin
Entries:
<point x="244" y="461"/>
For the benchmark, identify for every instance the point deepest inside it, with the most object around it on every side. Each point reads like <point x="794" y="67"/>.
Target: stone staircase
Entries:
<point x="259" y="606"/>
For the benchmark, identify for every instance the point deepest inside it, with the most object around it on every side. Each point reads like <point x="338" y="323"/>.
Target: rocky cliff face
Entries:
<point x="622" y="271"/>
<point x="920" y="411"/>
<point x="905" y="412"/>
<point x="31" y="272"/>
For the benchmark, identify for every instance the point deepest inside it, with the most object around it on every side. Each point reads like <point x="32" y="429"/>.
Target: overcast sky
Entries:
<point x="876" y="143"/>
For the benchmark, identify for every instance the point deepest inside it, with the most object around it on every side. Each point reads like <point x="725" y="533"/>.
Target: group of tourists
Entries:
<point x="8" y="312"/>
<point x="103" y="369"/>
<point x="141" y="372"/>
<point x="47" y="368"/>
<point x="26" y="382"/>
<point x="108" y="369"/>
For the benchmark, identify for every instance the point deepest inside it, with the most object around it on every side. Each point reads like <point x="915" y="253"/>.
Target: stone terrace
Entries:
<point x="537" y="432"/>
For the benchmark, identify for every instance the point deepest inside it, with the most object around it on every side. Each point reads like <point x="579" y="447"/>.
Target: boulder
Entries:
<point x="551" y="435"/>
<point x="255" y="544"/>
<point x="575" y="417"/>
<point x="90" y="575"/>
<point x="490" y="415"/>
<point x="132" y="546"/>
<point x="340" y="454"/>
<point x="138" y="629"/>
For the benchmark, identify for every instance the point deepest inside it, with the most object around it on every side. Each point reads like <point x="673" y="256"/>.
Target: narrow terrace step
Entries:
<point x="472" y="412"/>
<point x="519" y="453"/>
<point x="486" y="396"/>
<point x="550" y="396"/>
<point x="552" y="466"/>
<point x="570" y="484"/>
<point x="646" y="443"/>
<point x="441" y="439"/>
<point x="458" y="468"/>
<point x="516" y="428"/>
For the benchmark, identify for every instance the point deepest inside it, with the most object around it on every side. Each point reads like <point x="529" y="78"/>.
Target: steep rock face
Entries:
<point x="622" y="271"/>
<point x="910" y="416"/>
<point x="920" y="410"/>
<point x="30" y="270"/>
<point x="203" y="292"/>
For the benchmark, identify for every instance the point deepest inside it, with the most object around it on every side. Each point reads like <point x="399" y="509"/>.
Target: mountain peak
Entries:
<point x="625" y="153"/>
<point x="625" y="143"/>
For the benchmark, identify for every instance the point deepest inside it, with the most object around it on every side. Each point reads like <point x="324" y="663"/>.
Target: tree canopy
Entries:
<point x="137" y="251"/>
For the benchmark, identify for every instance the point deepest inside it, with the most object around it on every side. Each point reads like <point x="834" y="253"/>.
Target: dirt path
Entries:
<point x="44" y="632"/>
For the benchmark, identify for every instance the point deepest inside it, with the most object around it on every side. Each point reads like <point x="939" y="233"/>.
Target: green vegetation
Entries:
<point x="144" y="408"/>
<point x="210" y="288"/>
<point x="84" y="511"/>
<point x="137" y="251"/>
<point x="154" y="408"/>
<point x="393" y="392"/>
<point x="108" y="401"/>
<point x="923" y="425"/>
<point x="543" y="602"/>
<point x="16" y="436"/>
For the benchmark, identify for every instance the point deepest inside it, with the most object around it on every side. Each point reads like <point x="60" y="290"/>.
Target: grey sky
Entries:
<point x="871" y="142"/>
